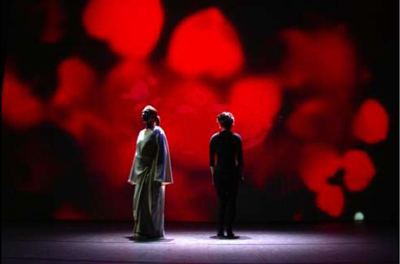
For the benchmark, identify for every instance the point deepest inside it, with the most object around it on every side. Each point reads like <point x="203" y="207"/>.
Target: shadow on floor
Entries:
<point x="233" y="238"/>
<point x="149" y="240"/>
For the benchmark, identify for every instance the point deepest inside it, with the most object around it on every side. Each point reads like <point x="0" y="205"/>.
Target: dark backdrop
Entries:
<point x="313" y="86"/>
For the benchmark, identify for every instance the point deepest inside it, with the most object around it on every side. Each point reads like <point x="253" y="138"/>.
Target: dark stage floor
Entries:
<point x="111" y="242"/>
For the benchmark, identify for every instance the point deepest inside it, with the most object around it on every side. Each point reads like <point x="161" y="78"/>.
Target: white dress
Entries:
<point x="151" y="170"/>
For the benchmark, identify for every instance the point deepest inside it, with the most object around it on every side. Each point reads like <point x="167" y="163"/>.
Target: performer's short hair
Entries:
<point x="226" y="120"/>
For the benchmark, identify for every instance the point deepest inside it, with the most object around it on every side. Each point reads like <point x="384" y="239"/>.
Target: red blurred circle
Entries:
<point x="317" y="164"/>
<point x="188" y="115"/>
<point x="205" y="44"/>
<point x="371" y="123"/>
<point x="254" y="102"/>
<point x="331" y="200"/>
<point x="19" y="108"/>
<point x="359" y="170"/>
<point x="131" y="27"/>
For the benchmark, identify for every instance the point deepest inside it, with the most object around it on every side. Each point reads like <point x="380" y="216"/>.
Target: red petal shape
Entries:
<point x="318" y="163"/>
<point x="205" y="44"/>
<point x="131" y="27"/>
<point x="359" y="170"/>
<point x="254" y="103"/>
<point x="371" y="124"/>
<point x="325" y="59"/>
<point x="331" y="200"/>
<point x="76" y="83"/>
<point x="19" y="108"/>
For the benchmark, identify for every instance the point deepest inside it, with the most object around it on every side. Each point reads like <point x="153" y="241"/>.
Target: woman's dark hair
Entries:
<point x="153" y="113"/>
<point x="226" y="119"/>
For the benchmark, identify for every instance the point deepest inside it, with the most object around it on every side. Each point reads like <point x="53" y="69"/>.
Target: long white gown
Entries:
<point x="151" y="170"/>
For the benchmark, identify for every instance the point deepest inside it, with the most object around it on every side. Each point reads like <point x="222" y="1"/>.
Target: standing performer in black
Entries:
<point x="227" y="172"/>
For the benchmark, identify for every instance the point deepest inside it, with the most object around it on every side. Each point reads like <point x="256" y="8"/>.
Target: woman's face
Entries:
<point x="146" y="116"/>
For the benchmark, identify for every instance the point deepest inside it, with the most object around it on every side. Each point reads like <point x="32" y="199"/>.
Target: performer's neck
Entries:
<point x="150" y="125"/>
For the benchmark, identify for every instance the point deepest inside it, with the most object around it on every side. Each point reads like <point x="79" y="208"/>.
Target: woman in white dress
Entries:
<point x="150" y="172"/>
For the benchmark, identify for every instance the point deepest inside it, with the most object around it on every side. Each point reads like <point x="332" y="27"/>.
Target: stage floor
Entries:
<point x="111" y="242"/>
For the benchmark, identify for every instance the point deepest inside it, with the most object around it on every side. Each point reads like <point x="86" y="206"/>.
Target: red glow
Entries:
<point x="371" y="124"/>
<point x="320" y="119"/>
<point x="76" y="82"/>
<point x="112" y="121"/>
<point x="131" y="27"/>
<point x="98" y="117"/>
<point x="68" y="212"/>
<point x="82" y="125"/>
<point x="111" y="155"/>
<point x="331" y="200"/>
<point x="130" y="80"/>
<point x="205" y="44"/>
<point x="200" y="77"/>
<point x="306" y="120"/>
<point x="359" y="170"/>
<point x="128" y="88"/>
<point x="19" y="108"/>
<point x="255" y="171"/>
<point x="325" y="59"/>
<point x="74" y="99"/>
<point x="254" y="102"/>
<point x="180" y="199"/>
<point x="188" y="115"/>
<point x="269" y="159"/>
<point x="318" y="163"/>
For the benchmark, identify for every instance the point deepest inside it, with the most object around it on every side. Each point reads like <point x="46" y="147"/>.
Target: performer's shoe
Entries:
<point x="220" y="234"/>
<point x="230" y="234"/>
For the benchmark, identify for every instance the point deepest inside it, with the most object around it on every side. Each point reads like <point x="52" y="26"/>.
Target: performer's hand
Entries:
<point x="212" y="175"/>
<point x="131" y="183"/>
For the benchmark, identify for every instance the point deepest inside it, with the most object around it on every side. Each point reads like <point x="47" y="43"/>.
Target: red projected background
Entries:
<point x="304" y="103"/>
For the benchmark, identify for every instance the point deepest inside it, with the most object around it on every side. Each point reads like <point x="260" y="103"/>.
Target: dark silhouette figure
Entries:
<point x="226" y="146"/>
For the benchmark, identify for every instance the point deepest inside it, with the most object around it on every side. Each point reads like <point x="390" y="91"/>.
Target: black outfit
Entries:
<point x="227" y="147"/>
